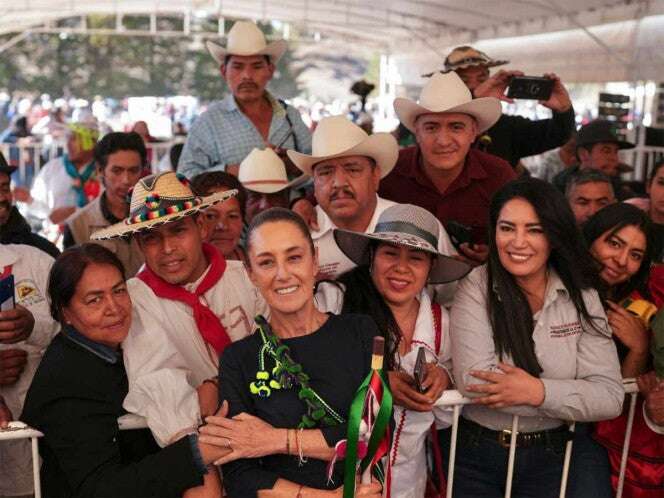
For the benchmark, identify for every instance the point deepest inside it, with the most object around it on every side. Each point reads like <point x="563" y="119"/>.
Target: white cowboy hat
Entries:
<point x="263" y="171"/>
<point x="409" y="226"/>
<point x="245" y="38"/>
<point x="447" y="93"/>
<point x="336" y="136"/>
<point x="158" y="199"/>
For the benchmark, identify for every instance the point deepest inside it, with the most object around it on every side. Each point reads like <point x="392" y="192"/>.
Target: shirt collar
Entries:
<point x="472" y="170"/>
<point x="105" y="210"/>
<point x="229" y="104"/>
<point x="325" y="224"/>
<point x="102" y="351"/>
<point x="554" y="288"/>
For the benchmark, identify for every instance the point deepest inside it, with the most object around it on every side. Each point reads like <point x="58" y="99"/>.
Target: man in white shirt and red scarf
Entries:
<point x="189" y="304"/>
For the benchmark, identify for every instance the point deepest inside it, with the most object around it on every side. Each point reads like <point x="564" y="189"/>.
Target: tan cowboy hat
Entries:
<point x="466" y="56"/>
<point x="159" y="199"/>
<point x="409" y="226"/>
<point x="263" y="171"/>
<point x="245" y="38"/>
<point x="336" y="136"/>
<point x="447" y="93"/>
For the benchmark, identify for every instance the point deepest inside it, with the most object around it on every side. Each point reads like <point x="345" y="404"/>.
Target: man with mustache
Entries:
<point x="120" y="159"/>
<point x="249" y="117"/>
<point x="13" y="227"/>
<point x="346" y="165"/>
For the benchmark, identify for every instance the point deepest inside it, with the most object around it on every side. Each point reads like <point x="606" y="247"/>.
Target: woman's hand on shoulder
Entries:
<point x="245" y="435"/>
<point x="511" y="387"/>
<point x="405" y="393"/>
<point x="628" y="328"/>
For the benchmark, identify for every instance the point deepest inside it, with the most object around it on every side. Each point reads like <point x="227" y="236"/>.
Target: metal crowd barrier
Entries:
<point x="450" y="398"/>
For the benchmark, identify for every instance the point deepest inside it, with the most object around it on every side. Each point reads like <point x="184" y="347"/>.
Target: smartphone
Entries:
<point x="420" y="371"/>
<point x="459" y="233"/>
<point x="7" y="293"/>
<point x="530" y="87"/>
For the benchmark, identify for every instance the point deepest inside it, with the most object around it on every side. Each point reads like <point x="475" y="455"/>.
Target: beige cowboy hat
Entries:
<point x="409" y="226"/>
<point x="466" y="56"/>
<point x="158" y="199"/>
<point x="447" y="93"/>
<point x="336" y="136"/>
<point x="263" y="171"/>
<point x="245" y="38"/>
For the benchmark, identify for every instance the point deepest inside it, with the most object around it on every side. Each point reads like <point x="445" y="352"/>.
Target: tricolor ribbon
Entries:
<point x="373" y="406"/>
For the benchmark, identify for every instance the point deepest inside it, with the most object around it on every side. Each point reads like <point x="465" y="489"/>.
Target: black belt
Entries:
<point x="554" y="437"/>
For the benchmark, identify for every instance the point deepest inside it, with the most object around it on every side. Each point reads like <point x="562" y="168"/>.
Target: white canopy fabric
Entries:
<point x="583" y="40"/>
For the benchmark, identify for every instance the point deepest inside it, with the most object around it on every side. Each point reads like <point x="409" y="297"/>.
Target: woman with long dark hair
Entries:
<point x="623" y="243"/>
<point x="396" y="262"/>
<point x="529" y="338"/>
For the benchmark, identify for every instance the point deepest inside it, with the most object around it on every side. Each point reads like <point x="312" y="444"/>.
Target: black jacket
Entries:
<point x="514" y="137"/>
<point x="75" y="399"/>
<point x="17" y="231"/>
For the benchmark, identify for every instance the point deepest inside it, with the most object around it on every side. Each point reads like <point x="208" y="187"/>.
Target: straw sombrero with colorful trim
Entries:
<point x="159" y="199"/>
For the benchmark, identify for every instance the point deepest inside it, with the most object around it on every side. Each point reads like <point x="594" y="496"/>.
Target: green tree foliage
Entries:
<point x="121" y="66"/>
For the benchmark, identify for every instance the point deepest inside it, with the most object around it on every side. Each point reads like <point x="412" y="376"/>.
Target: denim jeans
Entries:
<point x="481" y="467"/>
<point x="589" y="471"/>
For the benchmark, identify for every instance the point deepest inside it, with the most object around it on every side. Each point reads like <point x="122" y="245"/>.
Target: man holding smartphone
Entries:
<point x="512" y="137"/>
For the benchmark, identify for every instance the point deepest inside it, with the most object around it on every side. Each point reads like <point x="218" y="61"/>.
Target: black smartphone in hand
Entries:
<point x="530" y="88"/>
<point x="420" y="371"/>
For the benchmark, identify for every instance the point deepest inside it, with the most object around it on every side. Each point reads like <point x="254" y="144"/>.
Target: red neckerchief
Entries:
<point x="208" y="323"/>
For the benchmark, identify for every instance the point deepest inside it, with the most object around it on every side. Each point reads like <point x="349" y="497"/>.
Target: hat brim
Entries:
<point x="355" y="245"/>
<point x="381" y="147"/>
<point x="485" y="110"/>
<point x="463" y="65"/>
<point x="622" y="144"/>
<point x="274" y="50"/>
<point x="272" y="186"/>
<point x="122" y="228"/>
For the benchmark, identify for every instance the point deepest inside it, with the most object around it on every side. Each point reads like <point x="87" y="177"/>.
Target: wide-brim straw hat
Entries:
<point x="447" y="93"/>
<point x="336" y="136"/>
<point x="465" y="56"/>
<point x="159" y="199"/>
<point x="409" y="226"/>
<point x="245" y="38"/>
<point x="263" y="171"/>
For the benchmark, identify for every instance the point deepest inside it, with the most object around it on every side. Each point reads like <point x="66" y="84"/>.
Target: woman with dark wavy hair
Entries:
<point x="529" y="338"/>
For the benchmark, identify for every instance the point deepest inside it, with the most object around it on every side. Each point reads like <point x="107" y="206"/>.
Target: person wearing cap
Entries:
<point x="225" y="220"/>
<point x="597" y="147"/>
<point x="512" y="137"/>
<point x="68" y="182"/>
<point x="263" y="175"/>
<point x="120" y="159"/>
<point x="26" y="330"/>
<point x="443" y="173"/>
<point x="346" y="165"/>
<point x="249" y="116"/>
<point x="189" y="303"/>
<point x="587" y="192"/>
<point x="395" y="263"/>
<point x="14" y="229"/>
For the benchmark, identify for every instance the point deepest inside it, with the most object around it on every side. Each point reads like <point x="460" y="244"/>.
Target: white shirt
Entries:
<point x="581" y="371"/>
<point x="51" y="189"/>
<point x="166" y="357"/>
<point x="332" y="262"/>
<point x="407" y="453"/>
<point x="30" y="268"/>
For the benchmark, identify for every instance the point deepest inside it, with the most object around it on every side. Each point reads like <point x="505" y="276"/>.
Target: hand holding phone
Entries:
<point x="420" y="370"/>
<point x="530" y="88"/>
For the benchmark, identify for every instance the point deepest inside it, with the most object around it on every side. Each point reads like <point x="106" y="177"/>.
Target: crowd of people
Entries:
<point x="232" y="303"/>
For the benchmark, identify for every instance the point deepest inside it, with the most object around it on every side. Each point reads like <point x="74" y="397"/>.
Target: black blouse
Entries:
<point x="337" y="358"/>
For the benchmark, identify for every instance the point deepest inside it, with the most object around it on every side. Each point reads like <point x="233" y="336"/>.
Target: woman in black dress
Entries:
<point x="289" y="385"/>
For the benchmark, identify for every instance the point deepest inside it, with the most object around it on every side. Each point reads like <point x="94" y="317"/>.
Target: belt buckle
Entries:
<point x="504" y="438"/>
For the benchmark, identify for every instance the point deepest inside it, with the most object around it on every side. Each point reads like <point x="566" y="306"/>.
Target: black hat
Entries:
<point x="600" y="131"/>
<point x="4" y="167"/>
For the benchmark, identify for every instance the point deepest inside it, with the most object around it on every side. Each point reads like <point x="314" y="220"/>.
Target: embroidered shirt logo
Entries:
<point x="565" y="330"/>
<point x="27" y="293"/>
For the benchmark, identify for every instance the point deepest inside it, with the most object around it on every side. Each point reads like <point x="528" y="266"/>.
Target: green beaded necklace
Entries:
<point x="284" y="375"/>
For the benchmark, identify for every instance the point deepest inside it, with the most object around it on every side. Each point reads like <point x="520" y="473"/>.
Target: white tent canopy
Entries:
<point x="583" y="40"/>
